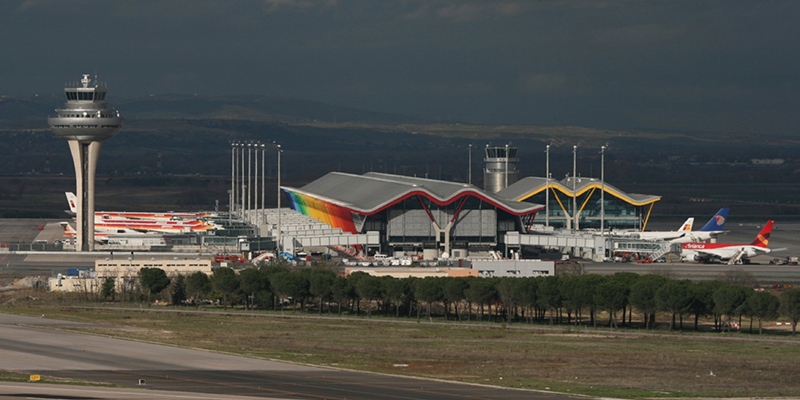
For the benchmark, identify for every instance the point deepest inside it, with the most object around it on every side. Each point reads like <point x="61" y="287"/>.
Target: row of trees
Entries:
<point x="574" y="299"/>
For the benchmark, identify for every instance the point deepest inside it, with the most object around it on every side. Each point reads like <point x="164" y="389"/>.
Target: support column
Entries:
<point x="84" y="158"/>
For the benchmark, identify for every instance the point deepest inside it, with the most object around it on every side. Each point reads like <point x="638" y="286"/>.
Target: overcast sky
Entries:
<point x="676" y="65"/>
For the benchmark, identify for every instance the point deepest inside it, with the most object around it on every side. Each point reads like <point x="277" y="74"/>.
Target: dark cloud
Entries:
<point x="684" y="65"/>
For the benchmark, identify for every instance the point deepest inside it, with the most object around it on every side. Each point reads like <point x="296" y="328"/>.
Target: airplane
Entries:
<point x="732" y="253"/>
<point x="73" y="210"/>
<point x="713" y="228"/>
<point x="126" y="222"/>
<point x="659" y="235"/>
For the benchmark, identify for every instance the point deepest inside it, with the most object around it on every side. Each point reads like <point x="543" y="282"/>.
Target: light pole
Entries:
<point x="263" y="182"/>
<point x="547" y="187"/>
<point x="231" y="200"/>
<point x="255" y="188"/>
<point x="249" y="176"/>
<point x="241" y="171"/>
<point x="574" y="182"/>
<point x="469" y="169"/>
<point x="280" y="247"/>
<point x="506" y="174"/>
<point x="602" y="196"/>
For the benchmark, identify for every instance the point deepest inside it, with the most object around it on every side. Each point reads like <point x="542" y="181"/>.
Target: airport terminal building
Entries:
<point x="621" y="211"/>
<point x="414" y="215"/>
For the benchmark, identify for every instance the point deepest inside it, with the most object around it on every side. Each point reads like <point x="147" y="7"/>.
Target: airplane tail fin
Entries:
<point x="687" y="226"/>
<point x="73" y="202"/>
<point x="717" y="222"/>
<point x="762" y="240"/>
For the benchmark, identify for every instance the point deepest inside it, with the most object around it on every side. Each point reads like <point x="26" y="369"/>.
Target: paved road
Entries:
<point x="28" y="345"/>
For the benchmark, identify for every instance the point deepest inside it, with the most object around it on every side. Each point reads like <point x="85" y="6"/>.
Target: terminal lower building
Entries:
<point x="414" y="215"/>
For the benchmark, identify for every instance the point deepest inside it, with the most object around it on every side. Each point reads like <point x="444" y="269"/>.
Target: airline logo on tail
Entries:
<point x="762" y="240"/>
<point x="686" y="227"/>
<point x="73" y="202"/>
<point x="717" y="222"/>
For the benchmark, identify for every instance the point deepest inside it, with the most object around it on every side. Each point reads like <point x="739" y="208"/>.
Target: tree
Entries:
<point x="254" y="282"/>
<point x="480" y="291"/>
<point x="197" y="285"/>
<point x="727" y="301"/>
<point x="507" y="291"/>
<point x="610" y="296"/>
<point x="320" y="284"/>
<point x="790" y="306"/>
<point x="108" y="290"/>
<point x="528" y="295"/>
<point x="224" y="281"/>
<point x="674" y="297"/>
<point x="643" y="296"/>
<point x="369" y="288"/>
<point x="341" y="291"/>
<point x="763" y="305"/>
<point x="395" y="291"/>
<point x="429" y="290"/>
<point x="627" y="279"/>
<point x="703" y="300"/>
<point x="550" y="294"/>
<point x="153" y="280"/>
<point x="290" y="284"/>
<point x="178" y="290"/>
<point x="454" y="289"/>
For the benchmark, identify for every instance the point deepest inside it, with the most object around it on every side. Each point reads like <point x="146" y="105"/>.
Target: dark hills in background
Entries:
<point x="174" y="153"/>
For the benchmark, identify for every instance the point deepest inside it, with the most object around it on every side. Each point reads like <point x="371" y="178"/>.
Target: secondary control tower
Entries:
<point x="85" y="123"/>
<point x="500" y="168"/>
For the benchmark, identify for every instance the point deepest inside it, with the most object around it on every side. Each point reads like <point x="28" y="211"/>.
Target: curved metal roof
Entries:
<point x="372" y="192"/>
<point x="530" y="186"/>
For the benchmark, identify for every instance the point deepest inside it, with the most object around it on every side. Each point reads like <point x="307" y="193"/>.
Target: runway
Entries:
<point x="32" y="346"/>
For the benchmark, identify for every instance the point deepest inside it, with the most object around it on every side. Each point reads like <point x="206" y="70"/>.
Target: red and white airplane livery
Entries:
<point x="127" y="223"/>
<point x="732" y="253"/>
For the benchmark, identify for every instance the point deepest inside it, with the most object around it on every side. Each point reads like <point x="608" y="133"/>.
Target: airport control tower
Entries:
<point x="85" y="123"/>
<point x="501" y="168"/>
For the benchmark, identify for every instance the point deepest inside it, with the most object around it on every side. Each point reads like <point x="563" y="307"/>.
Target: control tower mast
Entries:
<point x="85" y="123"/>
<point x="500" y="168"/>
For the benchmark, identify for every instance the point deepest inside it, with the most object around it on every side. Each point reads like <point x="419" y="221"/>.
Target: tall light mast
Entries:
<point x="547" y="188"/>
<point x="85" y="122"/>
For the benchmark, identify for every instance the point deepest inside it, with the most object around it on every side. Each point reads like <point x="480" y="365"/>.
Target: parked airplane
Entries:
<point x="713" y="228"/>
<point x="101" y="234"/>
<point x="126" y="222"/>
<point x="73" y="209"/>
<point x="733" y="253"/>
<point x="659" y="235"/>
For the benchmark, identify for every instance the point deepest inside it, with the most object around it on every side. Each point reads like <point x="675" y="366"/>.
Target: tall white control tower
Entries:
<point x="500" y="168"/>
<point x="85" y="123"/>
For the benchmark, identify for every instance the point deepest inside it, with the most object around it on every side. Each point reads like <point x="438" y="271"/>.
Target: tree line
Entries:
<point x="595" y="300"/>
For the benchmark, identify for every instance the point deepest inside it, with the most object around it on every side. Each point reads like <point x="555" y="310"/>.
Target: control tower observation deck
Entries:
<point x="85" y="122"/>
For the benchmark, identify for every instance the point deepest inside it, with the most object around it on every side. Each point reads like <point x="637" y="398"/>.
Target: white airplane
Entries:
<point x="659" y="235"/>
<point x="128" y="222"/>
<point x="733" y="253"/>
<point x="713" y="228"/>
<point x="73" y="209"/>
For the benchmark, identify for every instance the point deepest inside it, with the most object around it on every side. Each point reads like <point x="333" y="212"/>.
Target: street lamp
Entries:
<point x="263" y="182"/>
<point x="469" y="169"/>
<point x="280" y="247"/>
<point x="241" y="171"/>
<point x="603" y="190"/>
<point x="547" y="187"/>
<point x="506" y="174"/>
<point x="574" y="194"/>
<point x="231" y="199"/>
